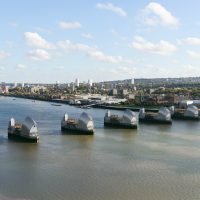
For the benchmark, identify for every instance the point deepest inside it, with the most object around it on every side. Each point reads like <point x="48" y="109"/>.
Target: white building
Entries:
<point x="58" y="83"/>
<point x="15" y="84"/>
<point x="5" y="89"/>
<point x="38" y="89"/>
<point x="72" y="86"/>
<point x="90" y="82"/>
<point x="77" y="82"/>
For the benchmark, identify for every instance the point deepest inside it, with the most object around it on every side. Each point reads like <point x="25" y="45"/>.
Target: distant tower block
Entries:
<point x="58" y="83"/>
<point x="15" y="84"/>
<point x="77" y="82"/>
<point x="72" y="86"/>
<point x="90" y="82"/>
<point x="23" y="84"/>
<point x="132" y="81"/>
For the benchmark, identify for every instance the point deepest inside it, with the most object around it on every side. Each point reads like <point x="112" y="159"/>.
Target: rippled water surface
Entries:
<point x="155" y="162"/>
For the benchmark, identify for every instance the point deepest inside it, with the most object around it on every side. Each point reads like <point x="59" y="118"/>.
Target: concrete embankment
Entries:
<point x="136" y="109"/>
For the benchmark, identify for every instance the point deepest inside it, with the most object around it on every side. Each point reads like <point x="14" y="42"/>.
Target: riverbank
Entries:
<point x="99" y="106"/>
<point x="38" y="99"/>
<point x="136" y="109"/>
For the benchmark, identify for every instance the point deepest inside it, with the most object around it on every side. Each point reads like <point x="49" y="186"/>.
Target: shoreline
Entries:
<point x="36" y="98"/>
<point x="66" y="102"/>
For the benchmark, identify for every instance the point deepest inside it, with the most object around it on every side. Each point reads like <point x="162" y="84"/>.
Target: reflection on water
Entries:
<point x="152" y="163"/>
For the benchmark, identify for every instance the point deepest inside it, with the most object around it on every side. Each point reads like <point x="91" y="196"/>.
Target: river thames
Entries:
<point x="155" y="162"/>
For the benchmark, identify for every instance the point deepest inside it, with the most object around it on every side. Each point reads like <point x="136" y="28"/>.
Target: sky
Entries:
<point x="61" y="40"/>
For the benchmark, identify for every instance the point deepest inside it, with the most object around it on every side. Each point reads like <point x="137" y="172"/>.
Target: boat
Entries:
<point x="26" y="131"/>
<point x="53" y="104"/>
<point x="127" y="120"/>
<point x="163" y="116"/>
<point x="83" y="126"/>
<point x="191" y="113"/>
<point x="85" y="107"/>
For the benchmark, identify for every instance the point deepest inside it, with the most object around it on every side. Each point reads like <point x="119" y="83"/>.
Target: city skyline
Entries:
<point x="99" y="40"/>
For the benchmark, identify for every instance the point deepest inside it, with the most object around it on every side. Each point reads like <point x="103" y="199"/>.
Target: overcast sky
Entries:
<point x="51" y="40"/>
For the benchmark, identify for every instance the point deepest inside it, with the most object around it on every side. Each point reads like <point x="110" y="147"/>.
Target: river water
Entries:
<point x="155" y="162"/>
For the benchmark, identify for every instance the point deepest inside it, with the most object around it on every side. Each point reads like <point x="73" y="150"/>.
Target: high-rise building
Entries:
<point x="114" y="92"/>
<point x="77" y="82"/>
<point x="72" y="87"/>
<point x="57" y="82"/>
<point x="90" y="82"/>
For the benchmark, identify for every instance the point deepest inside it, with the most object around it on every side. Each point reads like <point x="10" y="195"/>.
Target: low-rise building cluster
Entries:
<point x="128" y="91"/>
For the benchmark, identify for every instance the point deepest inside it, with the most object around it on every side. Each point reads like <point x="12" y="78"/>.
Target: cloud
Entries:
<point x="87" y="36"/>
<point x="39" y="54"/>
<point x="120" y="72"/>
<point x="109" y="6"/>
<point x="92" y="52"/>
<point x="188" y="70"/>
<point x="43" y="30"/>
<point x="69" y="25"/>
<point x="20" y="66"/>
<point x="4" y="54"/>
<point x="190" y="41"/>
<point x="161" y="48"/>
<point x="35" y="40"/>
<point x="126" y="70"/>
<point x="100" y="56"/>
<point x="193" y="54"/>
<point x="68" y="45"/>
<point x="155" y="14"/>
<point x="166" y="70"/>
